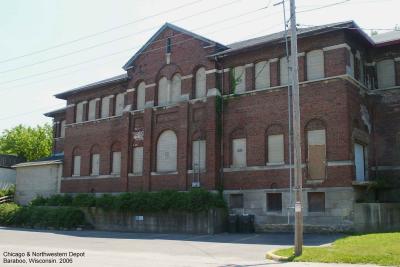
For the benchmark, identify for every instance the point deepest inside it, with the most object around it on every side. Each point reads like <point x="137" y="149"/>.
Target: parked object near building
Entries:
<point x="189" y="111"/>
<point x="7" y="173"/>
<point x="38" y="178"/>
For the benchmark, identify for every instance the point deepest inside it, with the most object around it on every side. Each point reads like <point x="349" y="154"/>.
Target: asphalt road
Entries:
<point x="94" y="248"/>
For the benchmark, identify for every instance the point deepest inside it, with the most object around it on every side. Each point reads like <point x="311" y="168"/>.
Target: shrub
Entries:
<point x="195" y="200"/>
<point x="7" y="191"/>
<point x="32" y="216"/>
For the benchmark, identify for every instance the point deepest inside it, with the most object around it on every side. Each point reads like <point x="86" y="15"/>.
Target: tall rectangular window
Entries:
<point x="236" y="201"/>
<point x="316" y="154"/>
<point x="138" y="160"/>
<point x="262" y="75"/>
<point x="62" y="130"/>
<point x="239" y="152"/>
<point x="315" y="65"/>
<point x="284" y="71"/>
<point x="316" y="201"/>
<point x="105" y="107"/>
<point x="239" y="79"/>
<point x="77" y="166"/>
<point x="386" y="73"/>
<point x="92" y="110"/>
<point x="141" y="96"/>
<point x="360" y="161"/>
<point x="95" y="164"/>
<point x="119" y="104"/>
<point x="199" y="155"/>
<point x="79" y="112"/>
<point x="116" y="163"/>
<point x="274" y="202"/>
<point x="275" y="149"/>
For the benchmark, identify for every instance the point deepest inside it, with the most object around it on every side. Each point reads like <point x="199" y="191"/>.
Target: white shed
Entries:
<point x="38" y="178"/>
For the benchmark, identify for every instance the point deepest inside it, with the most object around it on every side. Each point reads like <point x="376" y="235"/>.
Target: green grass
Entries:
<point x="381" y="249"/>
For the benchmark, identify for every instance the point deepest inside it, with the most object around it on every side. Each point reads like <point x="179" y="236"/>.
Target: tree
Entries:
<point x="31" y="143"/>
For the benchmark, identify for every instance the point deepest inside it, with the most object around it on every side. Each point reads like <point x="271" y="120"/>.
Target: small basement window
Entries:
<point x="274" y="202"/>
<point x="236" y="201"/>
<point x="316" y="201"/>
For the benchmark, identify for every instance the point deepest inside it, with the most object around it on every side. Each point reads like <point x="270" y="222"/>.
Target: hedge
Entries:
<point x="63" y="217"/>
<point x="195" y="200"/>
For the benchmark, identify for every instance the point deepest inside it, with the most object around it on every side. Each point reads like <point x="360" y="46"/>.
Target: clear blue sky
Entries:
<point x="26" y="92"/>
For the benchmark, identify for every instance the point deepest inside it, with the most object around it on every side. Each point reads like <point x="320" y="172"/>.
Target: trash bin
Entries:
<point x="246" y="223"/>
<point x="232" y="223"/>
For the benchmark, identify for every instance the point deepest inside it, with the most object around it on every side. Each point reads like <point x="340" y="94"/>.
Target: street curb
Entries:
<point x="272" y="256"/>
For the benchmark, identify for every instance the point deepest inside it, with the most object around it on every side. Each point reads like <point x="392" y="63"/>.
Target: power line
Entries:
<point x="354" y="28"/>
<point x="29" y="112"/>
<point x="101" y="32"/>
<point x="116" y="39"/>
<point x="322" y="7"/>
<point x="129" y="49"/>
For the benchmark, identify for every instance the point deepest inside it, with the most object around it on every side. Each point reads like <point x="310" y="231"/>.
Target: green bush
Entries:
<point x="9" y="191"/>
<point x="32" y="216"/>
<point x="195" y="200"/>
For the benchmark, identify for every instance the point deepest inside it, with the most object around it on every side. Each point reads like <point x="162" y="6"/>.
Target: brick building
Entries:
<point x="191" y="112"/>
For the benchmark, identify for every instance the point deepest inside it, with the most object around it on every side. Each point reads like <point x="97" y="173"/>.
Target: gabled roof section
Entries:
<point x="175" y="28"/>
<point x="302" y="32"/>
<point x="55" y="112"/>
<point x="109" y="81"/>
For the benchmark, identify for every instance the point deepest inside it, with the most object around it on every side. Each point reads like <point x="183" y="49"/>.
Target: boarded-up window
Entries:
<point x="236" y="201"/>
<point x="262" y="76"/>
<point x="239" y="152"/>
<point x="275" y="149"/>
<point x="105" y="107"/>
<point x="79" y="112"/>
<point x="62" y="130"/>
<point x="167" y="152"/>
<point x="316" y="154"/>
<point x="119" y="104"/>
<point x="316" y="201"/>
<point x="360" y="161"/>
<point x="163" y="91"/>
<point x="138" y="160"/>
<point x="176" y="88"/>
<point x="239" y="79"/>
<point x="386" y="73"/>
<point x="201" y="83"/>
<point x="95" y="164"/>
<point x="315" y="65"/>
<point x="350" y="67"/>
<point x="92" y="110"/>
<point x="283" y="71"/>
<point x="199" y="155"/>
<point x="77" y="166"/>
<point x="274" y="202"/>
<point x="116" y="163"/>
<point x="141" y="96"/>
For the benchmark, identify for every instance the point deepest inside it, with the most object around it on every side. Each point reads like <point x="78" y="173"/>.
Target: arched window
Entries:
<point x="316" y="149"/>
<point x="315" y="65"/>
<point x="95" y="160"/>
<point x="386" y="73"/>
<point x="176" y="88"/>
<point x="119" y="104"/>
<point x="141" y="96"/>
<point x="167" y="152"/>
<point x="262" y="76"/>
<point x="163" y="91"/>
<point x="105" y="107"/>
<point x="201" y="90"/>
<point x="76" y="162"/>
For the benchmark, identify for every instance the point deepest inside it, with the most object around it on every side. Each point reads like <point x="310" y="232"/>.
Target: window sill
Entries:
<point x="164" y="173"/>
<point x="195" y="172"/>
<point x="275" y="163"/>
<point x="90" y="177"/>
<point x="135" y="174"/>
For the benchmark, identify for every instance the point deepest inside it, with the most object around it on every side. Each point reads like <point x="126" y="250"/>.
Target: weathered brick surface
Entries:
<point x="335" y="103"/>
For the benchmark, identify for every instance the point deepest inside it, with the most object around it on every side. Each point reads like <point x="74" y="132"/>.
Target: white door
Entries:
<point x="359" y="160"/>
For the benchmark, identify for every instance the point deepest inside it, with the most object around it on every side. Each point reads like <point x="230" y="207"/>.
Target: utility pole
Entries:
<point x="298" y="230"/>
